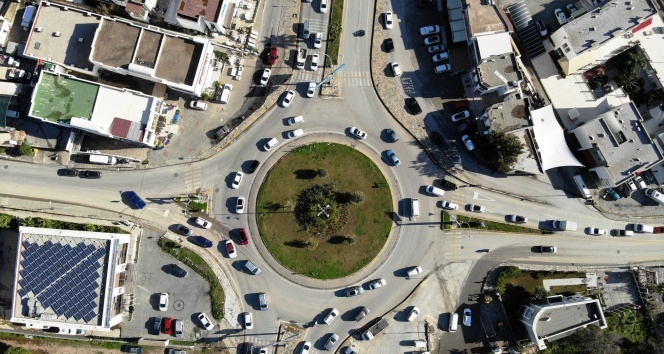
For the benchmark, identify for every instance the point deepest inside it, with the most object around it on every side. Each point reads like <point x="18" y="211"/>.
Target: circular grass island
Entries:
<point x="324" y="210"/>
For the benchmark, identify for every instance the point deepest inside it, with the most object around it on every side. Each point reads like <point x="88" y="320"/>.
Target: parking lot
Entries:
<point x="187" y="296"/>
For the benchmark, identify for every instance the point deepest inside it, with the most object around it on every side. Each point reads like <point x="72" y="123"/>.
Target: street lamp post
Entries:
<point x="329" y="57"/>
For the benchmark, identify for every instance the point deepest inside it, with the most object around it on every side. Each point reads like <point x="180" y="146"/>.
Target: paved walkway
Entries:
<point x="590" y="280"/>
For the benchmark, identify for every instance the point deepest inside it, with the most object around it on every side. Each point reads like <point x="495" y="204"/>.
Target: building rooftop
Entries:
<point x="617" y="141"/>
<point x="606" y="21"/>
<point x="498" y="70"/>
<point x="483" y="18"/>
<point x="118" y="45"/>
<point x="60" y="98"/>
<point x="508" y="115"/>
<point x="62" y="35"/>
<point x="208" y="9"/>
<point x="62" y="276"/>
<point x="561" y="318"/>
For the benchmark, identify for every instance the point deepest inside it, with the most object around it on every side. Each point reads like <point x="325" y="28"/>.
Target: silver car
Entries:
<point x="331" y="341"/>
<point x="353" y="291"/>
<point x="262" y="301"/>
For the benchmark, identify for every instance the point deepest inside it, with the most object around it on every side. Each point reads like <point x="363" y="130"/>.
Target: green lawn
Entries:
<point x="334" y="35"/>
<point x="498" y="226"/>
<point x="319" y="256"/>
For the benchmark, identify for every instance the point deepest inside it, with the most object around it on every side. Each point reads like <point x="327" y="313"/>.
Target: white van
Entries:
<point x="435" y="191"/>
<point x="585" y="192"/>
<point x="653" y="194"/>
<point x="226" y="93"/>
<point x="414" y="207"/>
<point x="103" y="159"/>
<point x="454" y="320"/>
<point x="270" y="144"/>
<point x="420" y="343"/>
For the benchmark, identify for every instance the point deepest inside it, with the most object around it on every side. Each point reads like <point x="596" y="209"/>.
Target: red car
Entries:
<point x="272" y="56"/>
<point x="168" y="325"/>
<point x="242" y="236"/>
<point x="461" y="104"/>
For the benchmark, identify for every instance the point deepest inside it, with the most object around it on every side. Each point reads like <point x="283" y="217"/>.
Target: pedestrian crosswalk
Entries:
<point x="345" y="78"/>
<point x="192" y="179"/>
<point x="317" y="25"/>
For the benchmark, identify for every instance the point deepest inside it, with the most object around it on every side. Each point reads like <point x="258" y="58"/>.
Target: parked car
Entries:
<point x="414" y="271"/>
<point x="442" y="68"/>
<point x="239" y="205"/>
<point x="466" y="317"/>
<point x="230" y="248"/>
<point x="295" y="120"/>
<point x="252" y="268"/>
<point x="178" y="271"/>
<point x="460" y="116"/>
<point x="360" y="134"/>
<point x="476" y="208"/>
<point x="427" y="30"/>
<point x="560" y="16"/>
<point x="242" y="236"/>
<point x="571" y="8"/>
<point x="262" y="301"/>
<point x="447" y="184"/>
<point x="198" y="105"/>
<point x="202" y="223"/>
<point x="331" y="341"/>
<point x="378" y="283"/>
<point x="361" y="313"/>
<point x="413" y="313"/>
<point x="389" y="45"/>
<point x="248" y="320"/>
<point x="294" y="133"/>
<point x="393" y="157"/>
<point x="318" y="40"/>
<point x="315" y="58"/>
<point x="462" y="127"/>
<point x="331" y="316"/>
<point x="156" y="327"/>
<point x="640" y="182"/>
<point x="517" y="219"/>
<point x="440" y="57"/>
<point x="266" y="76"/>
<point x="205" y="321"/>
<point x="412" y="104"/>
<point x="435" y="191"/>
<point x="90" y="174"/>
<point x="253" y="166"/>
<point x="393" y="135"/>
<point x="185" y="230"/>
<point x="449" y="205"/>
<point x="202" y="241"/>
<point x="163" y="301"/>
<point x="596" y="231"/>
<point x="435" y="49"/>
<point x="272" y="55"/>
<point x="288" y="98"/>
<point x="323" y="6"/>
<point x="432" y="40"/>
<point x="353" y="291"/>
<point x="396" y="70"/>
<point x="541" y="28"/>
<point x="179" y="328"/>
<point x="631" y="185"/>
<point x="306" y="346"/>
<point x="270" y="144"/>
<point x="311" y="89"/>
<point x="389" y="23"/>
<point x="168" y="325"/>
<point x="469" y="144"/>
<point x="237" y="180"/>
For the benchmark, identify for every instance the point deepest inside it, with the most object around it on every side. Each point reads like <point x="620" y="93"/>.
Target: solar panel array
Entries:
<point x="63" y="277"/>
<point x="525" y="27"/>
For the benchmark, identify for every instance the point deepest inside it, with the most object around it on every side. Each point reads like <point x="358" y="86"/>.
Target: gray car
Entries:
<point x="353" y="291"/>
<point x="331" y="341"/>
<point x="262" y="301"/>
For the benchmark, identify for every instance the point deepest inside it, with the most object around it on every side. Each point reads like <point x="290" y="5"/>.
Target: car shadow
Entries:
<point x="444" y="321"/>
<point x="340" y="293"/>
<point x="154" y="301"/>
<point x="320" y="342"/>
<point x="260" y="145"/>
<point x="251" y="299"/>
<point x="230" y="178"/>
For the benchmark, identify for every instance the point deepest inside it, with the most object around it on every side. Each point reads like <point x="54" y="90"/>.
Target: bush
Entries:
<point x="505" y="276"/>
<point x="25" y="149"/>
<point x="357" y="197"/>
<point x="322" y="173"/>
<point x="205" y="96"/>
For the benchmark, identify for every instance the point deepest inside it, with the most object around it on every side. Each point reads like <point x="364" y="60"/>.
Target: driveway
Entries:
<point x="187" y="296"/>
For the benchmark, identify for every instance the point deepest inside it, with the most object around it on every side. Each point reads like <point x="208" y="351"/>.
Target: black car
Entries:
<point x="462" y="127"/>
<point x="448" y="185"/>
<point x="90" y="174"/>
<point x="202" y="241"/>
<point x="157" y="325"/>
<point x="67" y="172"/>
<point x="425" y="3"/>
<point x="413" y="105"/>
<point x="389" y="45"/>
<point x="393" y="135"/>
<point x="177" y="271"/>
<point x="254" y="165"/>
<point x="184" y="230"/>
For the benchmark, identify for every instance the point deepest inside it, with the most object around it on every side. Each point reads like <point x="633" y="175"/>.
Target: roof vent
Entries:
<point x="56" y="34"/>
<point x="80" y="40"/>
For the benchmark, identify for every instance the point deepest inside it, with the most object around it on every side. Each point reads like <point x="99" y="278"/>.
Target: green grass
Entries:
<point x="630" y="326"/>
<point x="498" y="226"/>
<point x="575" y="289"/>
<point x="184" y="343"/>
<point x="198" y="264"/>
<point x="319" y="256"/>
<point x="334" y="36"/>
<point x="447" y="219"/>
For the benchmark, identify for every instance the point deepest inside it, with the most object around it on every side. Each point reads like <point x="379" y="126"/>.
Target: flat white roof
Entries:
<point x="550" y="139"/>
<point x="494" y="44"/>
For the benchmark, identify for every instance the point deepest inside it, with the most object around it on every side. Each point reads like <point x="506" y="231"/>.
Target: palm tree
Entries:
<point x="635" y="61"/>
<point x="629" y="82"/>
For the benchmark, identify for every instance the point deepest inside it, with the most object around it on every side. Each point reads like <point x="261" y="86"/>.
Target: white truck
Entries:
<point x="563" y="225"/>
<point x="375" y="329"/>
<point x="301" y="58"/>
<point x="643" y="228"/>
<point x="655" y="195"/>
<point x="10" y="73"/>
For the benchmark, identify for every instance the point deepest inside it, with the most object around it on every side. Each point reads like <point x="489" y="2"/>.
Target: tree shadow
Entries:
<point x="296" y="243"/>
<point x="339" y="239"/>
<point x="305" y="174"/>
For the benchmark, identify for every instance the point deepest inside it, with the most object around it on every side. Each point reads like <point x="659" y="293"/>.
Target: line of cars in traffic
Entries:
<point x="390" y="155"/>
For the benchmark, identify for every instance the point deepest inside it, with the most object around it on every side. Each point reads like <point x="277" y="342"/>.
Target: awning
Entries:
<point x="550" y="139"/>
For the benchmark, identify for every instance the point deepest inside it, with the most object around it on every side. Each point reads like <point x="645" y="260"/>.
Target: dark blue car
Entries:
<point x="201" y="241"/>
<point x="136" y="200"/>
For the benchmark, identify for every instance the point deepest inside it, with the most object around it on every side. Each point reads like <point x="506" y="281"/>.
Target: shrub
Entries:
<point x="322" y="173"/>
<point x="205" y="96"/>
<point x="505" y="276"/>
<point x="25" y="149"/>
<point x="357" y="197"/>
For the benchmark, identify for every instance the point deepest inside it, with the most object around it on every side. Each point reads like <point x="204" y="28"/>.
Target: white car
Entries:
<point x="248" y="320"/>
<point x="311" y="90"/>
<point x="435" y="48"/>
<point x="230" y="248"/>
<point x="237" y="180"/>
<point x="202" y="223"/>
<point x="163" y="301"/>
<point x="440" y="57"/>
<point x="435" y="191"/>
<point x="640" y="182"/>
<point x="205" y="321"/>
<point x="460" y="116"/>
<point x="323" y="6"/>
<point x="469" y="144"/>
<point x="449" y="205"/>
<point x="414" y="271"/>
<point x="318" y="40"/>
<point x="270" y="144"/>
<point x="427" y="30"/>
<point x="198" y="105"/>
<point x="571" y="8"/>
<point x="389" y="23"/>
<point x="314" y="61"/>
<point x="476" y="208"/>
<point x="358" y="133"/>
<point x="596" y="232"/>
<point x="331" y="341"/>
<point x="413" y="313"/>
<point x="432" y="40"/>
<point x="295" y="120"/>
<point x="288" y="98"/>
<point x="560" y="16"/>
<point x="466" y="317"/>
<point x="377" y="284"/>
<point x="541" y="28"/>
<point x="331" y="316"/>
<point x="294" y="133"/>
<point x="266" y="76"/>
<point x="442" y="68"/>
<point x="305" y="348"/>
<point x="239" y="205"/>
<point x="396" y="70"/>
<point x="631" y="185"/>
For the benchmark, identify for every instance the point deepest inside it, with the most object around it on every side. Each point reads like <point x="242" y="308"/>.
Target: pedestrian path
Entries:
<point x="352" y="78"/>
<point x="307" y="75"/>
<point x="317" y="25"/>
<point x="192" y="178"/>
